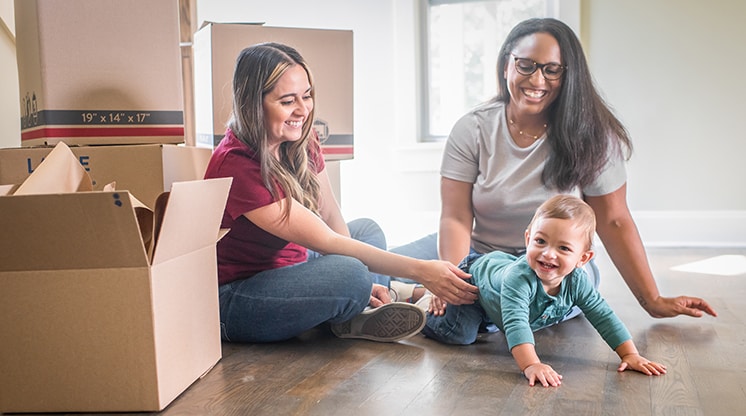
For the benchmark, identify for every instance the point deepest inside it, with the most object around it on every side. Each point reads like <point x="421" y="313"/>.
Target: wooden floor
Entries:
<point x="318" y="374"/>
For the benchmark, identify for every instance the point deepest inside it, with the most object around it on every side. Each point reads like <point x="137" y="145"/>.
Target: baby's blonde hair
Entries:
<point x="568" y="207"/>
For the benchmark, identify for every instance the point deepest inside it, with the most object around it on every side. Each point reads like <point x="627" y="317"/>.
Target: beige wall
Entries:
<point x="672" y="69"/>
<point x="10" y="116"/>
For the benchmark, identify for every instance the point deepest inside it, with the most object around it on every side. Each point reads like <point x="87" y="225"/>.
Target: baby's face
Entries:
<point x="554" y="247"/>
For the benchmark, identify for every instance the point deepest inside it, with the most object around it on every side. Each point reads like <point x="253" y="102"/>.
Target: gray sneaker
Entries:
<point x="388" y="323"/>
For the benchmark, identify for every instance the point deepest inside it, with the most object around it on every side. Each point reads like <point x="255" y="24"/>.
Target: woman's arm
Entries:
<point x="622" y="241"/>
<point x="306" y="229"/>
<point x="456" y="220"/>
<point x="329" y="209"/>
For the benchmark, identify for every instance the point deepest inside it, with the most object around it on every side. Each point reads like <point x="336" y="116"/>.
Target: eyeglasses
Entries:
<point x="551" y="71"/>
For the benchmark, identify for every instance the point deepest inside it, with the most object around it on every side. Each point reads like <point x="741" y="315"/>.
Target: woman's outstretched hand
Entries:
<point x="446" y="281"/>
<point x="664" y="307"/>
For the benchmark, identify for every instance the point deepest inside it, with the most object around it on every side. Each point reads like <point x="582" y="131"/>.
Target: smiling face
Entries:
<point x="554" y="247"/>
<point x="531" y="95"/>
<point x="287" y="106"/>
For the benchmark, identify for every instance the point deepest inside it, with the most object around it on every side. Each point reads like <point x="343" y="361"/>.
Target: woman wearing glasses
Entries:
<point x="546" y="132"/>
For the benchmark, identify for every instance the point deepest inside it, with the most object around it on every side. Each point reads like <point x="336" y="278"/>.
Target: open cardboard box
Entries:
<point x="92" y="318"/>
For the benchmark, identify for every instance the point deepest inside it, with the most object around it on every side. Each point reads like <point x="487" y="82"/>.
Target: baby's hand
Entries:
<point x="437" y="306"/>
<point x="639" y="363"/>
<point x="542" y="373"/>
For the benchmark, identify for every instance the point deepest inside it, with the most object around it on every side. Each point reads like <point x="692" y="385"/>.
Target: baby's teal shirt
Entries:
<point x="514" y="299"/>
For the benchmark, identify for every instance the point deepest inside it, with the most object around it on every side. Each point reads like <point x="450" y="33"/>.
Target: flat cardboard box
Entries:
<point x="89" y="322"/>
<point x="99" y="71"/>
<point x="144" y="170"/>
<point x="328" y="53"/>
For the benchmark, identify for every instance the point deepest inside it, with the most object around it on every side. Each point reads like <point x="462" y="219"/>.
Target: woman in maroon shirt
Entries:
<point x="290" y="262"/>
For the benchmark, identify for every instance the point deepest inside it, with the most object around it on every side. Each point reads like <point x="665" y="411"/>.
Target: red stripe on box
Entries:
<point x="102" y="132"/>
<point x="336" y="150"/>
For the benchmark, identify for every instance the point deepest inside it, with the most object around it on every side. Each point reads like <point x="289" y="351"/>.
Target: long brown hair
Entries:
<point x="583" y="131"/>
<point x="293" y="174"/>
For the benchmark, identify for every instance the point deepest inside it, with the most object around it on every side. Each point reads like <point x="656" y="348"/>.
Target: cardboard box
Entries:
<point x="99" y="71"/>
<point x="328" y="53"/>
<point x="144" y="170"/>
<point x="91" y="320"/>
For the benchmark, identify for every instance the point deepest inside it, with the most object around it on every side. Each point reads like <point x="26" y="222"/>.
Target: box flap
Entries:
<point x="6" y="189"/>
<point x="192" y="217"/>
<point x="81" y="230"/>
<point x="60" y="172"/>
<point x="158" y="211"/>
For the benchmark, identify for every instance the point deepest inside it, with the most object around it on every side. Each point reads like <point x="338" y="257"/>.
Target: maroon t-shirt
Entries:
<point x="247" y="249"/>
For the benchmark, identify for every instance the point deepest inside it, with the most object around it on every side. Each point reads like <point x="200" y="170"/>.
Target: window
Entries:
<point x="461" y="42"/>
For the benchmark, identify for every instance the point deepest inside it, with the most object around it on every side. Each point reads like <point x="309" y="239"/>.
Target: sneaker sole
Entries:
<point x="388" y="323"/>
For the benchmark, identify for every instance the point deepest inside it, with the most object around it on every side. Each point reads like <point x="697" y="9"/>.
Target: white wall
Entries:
<point x="654" y="62"/>
<point x="10" y="113"/>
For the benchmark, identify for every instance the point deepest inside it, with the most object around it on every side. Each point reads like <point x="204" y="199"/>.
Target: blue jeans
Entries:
<point x="460" y="324"/>
<point x="367" y="231"/>
<point x="426" y="248"/>
<point x="279" y="304"/>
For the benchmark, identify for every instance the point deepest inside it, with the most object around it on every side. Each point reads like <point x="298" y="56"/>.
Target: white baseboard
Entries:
<point x="692" y="228"/>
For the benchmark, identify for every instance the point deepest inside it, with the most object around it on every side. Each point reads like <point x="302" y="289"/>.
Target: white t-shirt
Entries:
<point x="507" y="179"/>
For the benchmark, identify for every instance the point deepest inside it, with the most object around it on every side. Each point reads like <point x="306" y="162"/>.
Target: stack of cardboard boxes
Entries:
<point x="105" y="78"/>
<point x="91" y="321"/>
<point x="92" y="317"/>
